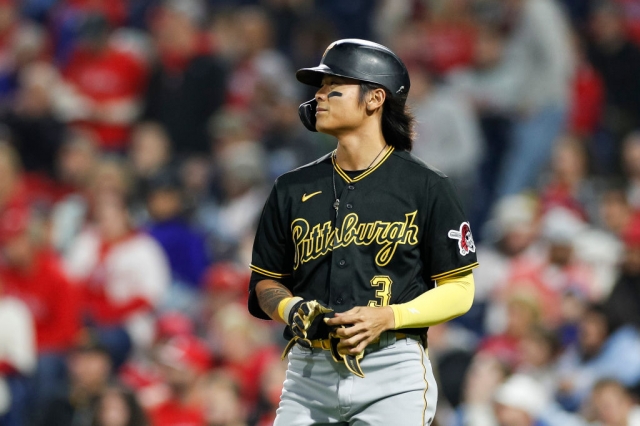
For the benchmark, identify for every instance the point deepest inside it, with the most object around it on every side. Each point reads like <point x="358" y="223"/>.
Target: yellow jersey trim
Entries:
<point x="267" y="273"/>
<point x="455" y="271"/>
<point x="363" y="174"/>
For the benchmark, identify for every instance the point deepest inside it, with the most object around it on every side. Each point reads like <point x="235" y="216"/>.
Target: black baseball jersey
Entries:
<point x="399" y="227"/>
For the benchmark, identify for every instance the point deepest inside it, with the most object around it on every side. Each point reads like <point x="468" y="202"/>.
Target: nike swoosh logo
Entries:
<point x="305" y="197"/>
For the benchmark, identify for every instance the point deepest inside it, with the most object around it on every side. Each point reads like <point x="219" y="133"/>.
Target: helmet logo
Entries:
<point x="400" y="89"/>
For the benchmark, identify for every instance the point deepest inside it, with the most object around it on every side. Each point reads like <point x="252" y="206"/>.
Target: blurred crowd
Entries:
<point x="139" y="140"/>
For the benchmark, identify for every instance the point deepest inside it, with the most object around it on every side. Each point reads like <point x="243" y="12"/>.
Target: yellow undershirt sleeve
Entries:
<point x="451" y="298"/>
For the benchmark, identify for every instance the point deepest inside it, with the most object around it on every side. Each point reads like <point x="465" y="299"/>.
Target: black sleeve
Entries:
<point x="448" y="243"/>
<point x="271" y="257"/>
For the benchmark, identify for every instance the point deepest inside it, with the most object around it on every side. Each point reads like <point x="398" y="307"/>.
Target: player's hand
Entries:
<point x="359" y="326"/>
<point x="304" y="319"/>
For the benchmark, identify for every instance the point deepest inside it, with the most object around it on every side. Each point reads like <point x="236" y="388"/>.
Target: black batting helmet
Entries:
<point x="358" y="59"/>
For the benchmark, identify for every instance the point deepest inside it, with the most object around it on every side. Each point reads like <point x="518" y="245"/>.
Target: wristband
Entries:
<point x="281" y="305"/>
<point x="285" y="306"/>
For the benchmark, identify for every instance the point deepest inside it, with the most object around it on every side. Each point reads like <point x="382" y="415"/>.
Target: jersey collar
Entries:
<point x="362" y="175"/>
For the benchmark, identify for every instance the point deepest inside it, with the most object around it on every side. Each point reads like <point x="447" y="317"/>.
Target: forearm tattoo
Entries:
<point x="270" y="297"/>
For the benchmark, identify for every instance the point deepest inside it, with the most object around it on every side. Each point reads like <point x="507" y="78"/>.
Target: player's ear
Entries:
<point x="375" y="99"/>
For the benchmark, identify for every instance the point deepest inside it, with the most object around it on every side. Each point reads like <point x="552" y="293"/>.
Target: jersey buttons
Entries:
<point x="342" y="262"/>
<point x="339" y="301"/>
<point x="349" y="206"/>
<point x="351" y="187"/>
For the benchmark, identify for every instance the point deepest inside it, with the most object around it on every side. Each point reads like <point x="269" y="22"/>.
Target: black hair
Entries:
<point x="397" y="120"/>
<point x="137" y="416"/>
<point x="603" y="312"/>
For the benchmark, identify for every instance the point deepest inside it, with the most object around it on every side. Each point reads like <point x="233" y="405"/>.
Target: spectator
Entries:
<point x="522" y="401"/>
<point x="587" y="98"/>
<point x="448" y="134"/>
<point x="21" y="43"/>
<point x="631" y="164"/>
<point x="89" y="373"/>
<point x="183" y="245"/>
<point x="448" y="36"/>
<point x="287" y="143"/>
<point x="623" y="304"/>
<point x="225" y="283"/>
<point x="105" y="85"/>
<point x="569" y="186"/>
<point x="540" y="348"/>
<point x="118" y="407"/>
<point x="34" y="275"/>
<point x="223" y="402"/>
<point x="242" y="178"/>
<point x="141" y="373"/>
<point x="489" y="86"/>
<point x="187" y="84"/>
<point x="67" y="18"/>
<point x="17" y="358"/>
<point x="511" y="237"/>
<point x="12" y="191"/>
<point x="613" y="405"/>
<point x="183" y="360"/>
<point x="122" y="275"/>
<point x="76" y="164"/>
<point x="110" y="177"/>
<point x="484" y="376"/>
<point x="632" y="18"/>
<point x="615" y="212"/>
<point x="600" y="352"/>
<point x="538" y="53"/>
<point x="244" y="347"/>
<point x="523" y="316"/>
<point x="618" y="62"/>
<point x="258" y="66"/>
<point x="270" y="389"/>
<point x="35" y="128"/>
<point x="149" y="154"/>
<point x="559" y="271"/>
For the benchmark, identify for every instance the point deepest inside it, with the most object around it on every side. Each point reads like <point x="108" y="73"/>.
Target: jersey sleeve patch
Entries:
<point x="464" y="237"/>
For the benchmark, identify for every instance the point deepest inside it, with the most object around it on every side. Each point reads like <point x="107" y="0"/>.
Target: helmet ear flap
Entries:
<point x="307" y="113"/>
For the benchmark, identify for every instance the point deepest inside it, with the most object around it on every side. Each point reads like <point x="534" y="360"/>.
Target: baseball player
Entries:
<point x="359" y="252"/>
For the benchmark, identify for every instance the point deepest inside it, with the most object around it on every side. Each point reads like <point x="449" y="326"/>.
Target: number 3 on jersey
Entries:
<point x="383" y="292"/>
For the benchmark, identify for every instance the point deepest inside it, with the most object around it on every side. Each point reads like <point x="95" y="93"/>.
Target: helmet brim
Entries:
<point x="313" y="76"/>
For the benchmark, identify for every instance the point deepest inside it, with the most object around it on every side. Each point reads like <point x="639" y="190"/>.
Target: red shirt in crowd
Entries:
<point x="631" y="10"/>
<point x="173" y="413"/>
<point x="110" y="76"/>
<point x="95" y="300"/>
<point x="557" y="194"/>
<point x="51" y="299"/>
<point x="587" y="99"/>
<point x="504" y="347"/>
<point x="448" y="46"/>
<point x="246" y="372"/>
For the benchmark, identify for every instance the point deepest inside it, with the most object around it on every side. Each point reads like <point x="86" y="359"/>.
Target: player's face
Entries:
<point x="339" y="107"/>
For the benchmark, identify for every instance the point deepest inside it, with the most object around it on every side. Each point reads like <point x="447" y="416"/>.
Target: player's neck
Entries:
<point x="361" y="150"/>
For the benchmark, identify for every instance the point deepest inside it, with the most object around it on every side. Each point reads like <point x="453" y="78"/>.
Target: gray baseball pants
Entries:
<point x="398" y="389"/>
